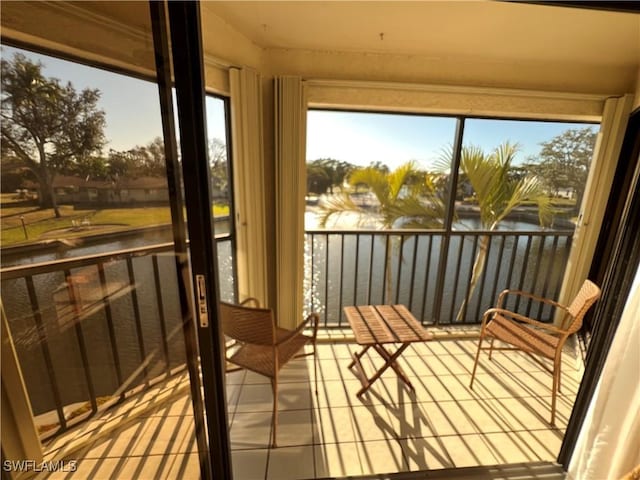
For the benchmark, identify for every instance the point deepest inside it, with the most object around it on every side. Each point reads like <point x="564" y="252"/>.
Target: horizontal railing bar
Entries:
<point x="76" y="262"/>
<point x="418" y="231"/>
<point x="49" y="266"/>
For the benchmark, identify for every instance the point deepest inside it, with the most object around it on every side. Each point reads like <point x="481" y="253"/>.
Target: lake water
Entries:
<point x="97" y="329"/>
<point x="349" y="269"/>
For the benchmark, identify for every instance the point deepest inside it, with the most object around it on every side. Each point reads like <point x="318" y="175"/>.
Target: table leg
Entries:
<point x="357" y="356"/>
<point x="390" y="360"/>
<point x="384" y="353"/>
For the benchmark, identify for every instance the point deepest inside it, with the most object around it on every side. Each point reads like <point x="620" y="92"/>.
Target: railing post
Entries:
<point x="112" y="333"/>
<point x="77" y="326"/>
<point x="136" y="317"/>
<point x="161" y="317"/>
<point x="444" y="246"/>
<point x="46" y="353"/>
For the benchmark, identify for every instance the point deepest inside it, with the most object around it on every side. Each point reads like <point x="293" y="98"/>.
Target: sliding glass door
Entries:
<point x="108" y="289"/>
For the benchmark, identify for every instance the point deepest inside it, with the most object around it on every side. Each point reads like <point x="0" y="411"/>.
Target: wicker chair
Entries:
<point x="256" y="343"/>
<point x="534" y="337"/>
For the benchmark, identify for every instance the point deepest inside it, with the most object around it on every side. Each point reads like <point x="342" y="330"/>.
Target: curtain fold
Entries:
<point x="249" y="188"/>
<point x="609" y="443"/>
<point x="290" y="173"/>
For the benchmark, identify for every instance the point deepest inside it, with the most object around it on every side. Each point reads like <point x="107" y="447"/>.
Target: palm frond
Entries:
<point x="505" y="153"/>
<point x="372" y="178"/>
<point x="337" y="205"/>
<point x="413" y="212"/>
<point x="398" y="178"/>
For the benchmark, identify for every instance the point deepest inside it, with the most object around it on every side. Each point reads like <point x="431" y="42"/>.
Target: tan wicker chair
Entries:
<point x="258" y="344"/>
<point x="535" y="337"/>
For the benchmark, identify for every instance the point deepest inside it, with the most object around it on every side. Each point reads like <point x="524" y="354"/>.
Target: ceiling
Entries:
<point x="440" y="29"/>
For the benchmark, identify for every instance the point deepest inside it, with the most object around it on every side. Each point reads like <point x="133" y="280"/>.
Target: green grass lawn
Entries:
<point x="41" y="224"/>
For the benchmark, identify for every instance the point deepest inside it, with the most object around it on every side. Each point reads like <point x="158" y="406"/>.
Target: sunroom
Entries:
<point x="113" y="365"/>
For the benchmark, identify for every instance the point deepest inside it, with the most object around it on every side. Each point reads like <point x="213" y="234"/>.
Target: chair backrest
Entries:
<point x="588" y="294"/>
<point x="247" y="324"/>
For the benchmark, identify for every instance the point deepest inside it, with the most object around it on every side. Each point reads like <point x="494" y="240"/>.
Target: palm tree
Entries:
<point x="498" y="192"/>
<point x="407" y="198"/>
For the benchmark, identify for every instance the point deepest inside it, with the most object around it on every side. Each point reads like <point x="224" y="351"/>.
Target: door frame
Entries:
<point x="159" y="24"/>
<point x="187" y="59"/>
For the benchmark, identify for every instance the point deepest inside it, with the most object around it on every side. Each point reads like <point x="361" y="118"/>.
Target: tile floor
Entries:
<point x="443" y="424"/>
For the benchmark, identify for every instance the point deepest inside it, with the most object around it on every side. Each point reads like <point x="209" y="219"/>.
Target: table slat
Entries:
<point x="379" y="324"/>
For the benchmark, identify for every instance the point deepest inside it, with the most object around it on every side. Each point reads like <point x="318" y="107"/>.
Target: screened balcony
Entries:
<point x="131" y="412"/>
<point x="114" y="379"/>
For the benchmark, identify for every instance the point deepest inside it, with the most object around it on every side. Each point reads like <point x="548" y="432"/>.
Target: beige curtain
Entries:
<point x="249" y="188"/>
<point x="609" y="443"/>
<point x="290" y="151"/>
<point x="603" y="166"/>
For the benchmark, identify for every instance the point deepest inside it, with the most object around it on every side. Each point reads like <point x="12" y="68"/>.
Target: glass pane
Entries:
<point x="550" y="159"/>
<point x="101" y="184"/>
<point x="378" y="172"/>
<point x="522" y="181"/>
<point x="98" y="324"/>
<point x="221" y="193"/>
<point x="349" y="153"/>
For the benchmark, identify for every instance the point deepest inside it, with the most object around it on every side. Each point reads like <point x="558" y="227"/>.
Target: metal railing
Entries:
<point x="89" y="331"/>
<point x="430" y="271"/>
<point x="94" y="329"/>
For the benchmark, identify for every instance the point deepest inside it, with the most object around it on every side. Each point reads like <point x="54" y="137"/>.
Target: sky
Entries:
<point x="133" y="118"/>
<point x="131" y="105"/>
<point x="393" y="139"/>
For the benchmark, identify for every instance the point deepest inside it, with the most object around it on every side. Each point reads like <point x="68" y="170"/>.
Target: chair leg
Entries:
<point x="559" y="374"/>
<point x="315" y="368"/>
<point x="274" y="386"/>
<point x="475" y="364"/>
<point x="491" y="347"/>
<point x="556" y="381"/>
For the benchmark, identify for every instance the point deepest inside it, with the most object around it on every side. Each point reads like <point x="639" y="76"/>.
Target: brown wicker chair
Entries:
<point x="256" y="343"/>
<point x="535" y="337"/>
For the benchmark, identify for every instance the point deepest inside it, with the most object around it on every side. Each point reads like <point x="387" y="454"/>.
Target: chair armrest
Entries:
<point x="298" y="331"/>
<point x="504" y="293"/>
<point x="255" y="301"/>
<point x="520" y="318"/>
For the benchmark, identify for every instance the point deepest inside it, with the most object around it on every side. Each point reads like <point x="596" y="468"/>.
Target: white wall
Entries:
<point x="476" y="72"/>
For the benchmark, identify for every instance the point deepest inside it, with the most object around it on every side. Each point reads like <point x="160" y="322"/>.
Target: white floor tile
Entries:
<point x="289" y="463"/>
<point x="337" y="460"/>
<point x="249" y="464"/>
<point x="442" y="424"/>
<point x="382" y="456"/>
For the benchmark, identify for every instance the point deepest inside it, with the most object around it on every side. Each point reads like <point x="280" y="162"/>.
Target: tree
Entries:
<point x="50" y="127"/>
<point x="150" y="158"/>
<point x="378" y="165"/>
<point x="218" y="166"/>
<point x="335" y="172"/>
<point x="564" y="161"/>
<point x="318" y="180"/>
<point x="139" y="161"/>
<point x="403" y="202"/>
<point x="498" y="190"/>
